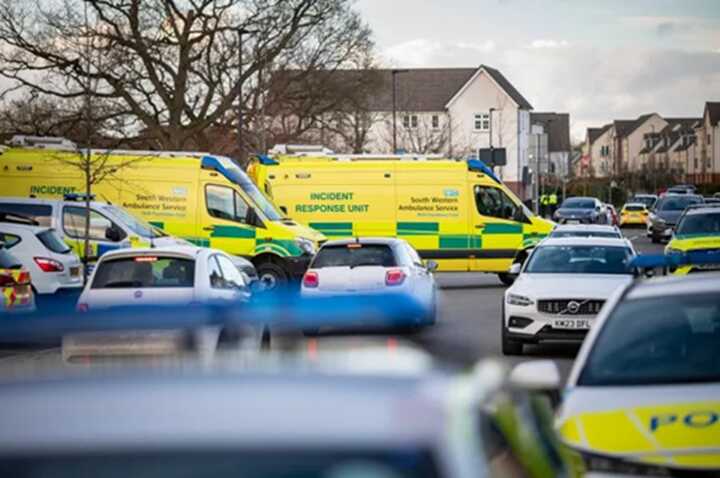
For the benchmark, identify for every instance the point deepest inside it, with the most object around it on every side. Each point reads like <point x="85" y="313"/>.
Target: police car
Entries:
<point x="697" y="232"/>
<point x="643" y="397"/>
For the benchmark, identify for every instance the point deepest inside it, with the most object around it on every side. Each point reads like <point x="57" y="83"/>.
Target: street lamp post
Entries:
<point x="394" y="106"/>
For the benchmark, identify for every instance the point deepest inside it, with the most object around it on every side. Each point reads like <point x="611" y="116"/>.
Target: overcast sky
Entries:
<point x="595" y="59"/>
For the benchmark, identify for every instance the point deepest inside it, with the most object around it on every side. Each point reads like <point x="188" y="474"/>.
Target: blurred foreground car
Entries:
<point x="666" y="212"/>
<point x="643" y="397"/>
<point x="360" y="413"/>
<point x="52" y="264"/>
<point x="561" y="288"/>
<point x="17" y="293"/>
<point x="633" y="214"/>
<point x="581" y="210"/>
<point x="586" y="230"/>
<point x="374" y="266"/>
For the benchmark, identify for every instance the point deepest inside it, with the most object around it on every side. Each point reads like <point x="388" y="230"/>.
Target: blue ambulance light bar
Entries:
<point x="477" y="165"/>
<point x="266" y="160"/>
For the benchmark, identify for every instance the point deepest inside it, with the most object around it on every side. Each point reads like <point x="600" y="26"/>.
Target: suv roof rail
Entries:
<point x="14" y="218"/>
<point x="314" y="149"/>
<point x="42" y="142"/>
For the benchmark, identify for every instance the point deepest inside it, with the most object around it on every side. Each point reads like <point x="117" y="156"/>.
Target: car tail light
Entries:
<point x="82" y="307"/>
<point x="394" y="277"/>
<point x="311" y="279"/>
<point x="48" y="265"/>
<point x="6" y="280"/>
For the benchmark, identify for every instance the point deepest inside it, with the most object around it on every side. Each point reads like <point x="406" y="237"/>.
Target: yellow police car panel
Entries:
<point x="455" y="212"/>
<point x="698" y="230"/>
<point x="15" y="285"/>
<point x="204" y="199"/>
<point x="645" y="388"/>
<point x="633" y="214"/>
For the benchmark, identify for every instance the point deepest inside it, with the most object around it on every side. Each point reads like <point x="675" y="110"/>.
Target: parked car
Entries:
<point x="581" y="210"/>
<point x="642" y="396"/>
<point x="52" y="265"/>
<point x="561" y="288"/>
<point x="647" y="199"/>
<point x="666" y="213"/>
<point x="586" y="230"/>
<point x="15" y="286"/>
<point x="635" y="214"/>
<point x="163" y="275"/>
<point x="682" y="189"/>
<point x="376" y="266"/>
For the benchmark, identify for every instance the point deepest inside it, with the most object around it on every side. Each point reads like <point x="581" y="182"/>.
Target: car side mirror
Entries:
<point x="515" y="268"/>
<point x="541" y="376"/>
<point x="252" y="218"/>
<point x="431" y="265"/>
<point x="113" y="234"/>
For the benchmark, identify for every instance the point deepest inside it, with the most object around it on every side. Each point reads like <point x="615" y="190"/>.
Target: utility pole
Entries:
<point x="394" y="107"/>
<point x="241" y="144"/>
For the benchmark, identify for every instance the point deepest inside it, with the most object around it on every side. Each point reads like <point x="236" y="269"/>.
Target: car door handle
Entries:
<point x="209" y="228"/>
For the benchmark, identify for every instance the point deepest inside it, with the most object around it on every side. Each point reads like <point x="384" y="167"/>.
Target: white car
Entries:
<point x="372" y="266"/>
<point x="163" y="275"/>
<point x="52" y="265"/>
<point x="561" y="288"/>
<point x="642" y="398"/>
<point x="586" y="230"/>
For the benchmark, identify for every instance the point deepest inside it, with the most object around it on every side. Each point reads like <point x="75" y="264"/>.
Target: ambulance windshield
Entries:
<point x="136" y="225"/>
<point x="236" y="175"/>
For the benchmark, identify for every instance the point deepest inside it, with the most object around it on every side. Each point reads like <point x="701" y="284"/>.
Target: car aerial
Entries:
<point x="163" y="275"/>
<point x="581" y="210"/>
<point x="642" y="396"/>
<point x="15" y="286"/>
<point x="372" y="266"/>
<point x="666" y="212"/>
<point x="561" y="288"/>
<point x="647" y="199"/>
<point x="586" y="230"/>
<point x="353" y="413"/>
<point x="634" y="213"/>
<point x="698" y="230"/>
<point x="53" y="266"/>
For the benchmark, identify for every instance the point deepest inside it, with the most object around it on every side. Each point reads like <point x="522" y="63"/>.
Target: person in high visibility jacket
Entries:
<point x="544" y="203"/>
<point x="552" y="203"/>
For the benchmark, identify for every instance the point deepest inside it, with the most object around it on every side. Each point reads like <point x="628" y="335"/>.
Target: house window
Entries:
<point x="482" y="122"/>
<point x="410" y="121"/>
<point x="695" y="161"/>
<point x="436" y="122"/>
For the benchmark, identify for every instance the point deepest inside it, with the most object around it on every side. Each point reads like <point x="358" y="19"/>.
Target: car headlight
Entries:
<point x="521" y="300"/>
<point x="306" y="245"/>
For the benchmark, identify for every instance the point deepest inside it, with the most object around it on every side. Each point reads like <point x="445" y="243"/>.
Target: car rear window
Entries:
<point x="52" y="241"/>
<point x="355" y="255"/>
<point x="8" y="261"/>
<point x="634" y="207"/>
<point x="145" y="272"/>
<point x="578" y="204"/>
<point x="38" y="212"/>
<point x="608" y="234"/>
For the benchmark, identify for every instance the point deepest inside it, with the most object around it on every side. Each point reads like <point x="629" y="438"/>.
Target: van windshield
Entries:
<point x="136" y="225"/>
<point x="241" y="179"/>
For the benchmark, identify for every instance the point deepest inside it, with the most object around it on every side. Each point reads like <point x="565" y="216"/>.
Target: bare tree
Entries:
<point x="171" y="67"/>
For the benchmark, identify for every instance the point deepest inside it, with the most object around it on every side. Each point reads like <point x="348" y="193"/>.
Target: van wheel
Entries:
<point x="271" y="276"/>
<point x="507" y="278"/>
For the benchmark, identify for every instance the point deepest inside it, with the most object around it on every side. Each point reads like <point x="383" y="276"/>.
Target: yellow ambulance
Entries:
<point x="205" y="199"/>
<point x="455" y="212"/>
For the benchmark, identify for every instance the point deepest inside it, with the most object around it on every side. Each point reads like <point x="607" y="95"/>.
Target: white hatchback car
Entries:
<point x="372" y="266"/>
<point x="52" y="265"/>
<point x="163" y="275"/>
<point x="561" y="288"/>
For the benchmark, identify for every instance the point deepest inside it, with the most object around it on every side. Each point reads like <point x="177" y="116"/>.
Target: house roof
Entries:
<point x="557" y="127"/>
<point x="683" y="147"/>
<point x="417" y="89"/>
<point x="593" y="134"/>
<point x="713" y="109"/>
<point x="639" y="122"/>
<point x="623" y="127"/>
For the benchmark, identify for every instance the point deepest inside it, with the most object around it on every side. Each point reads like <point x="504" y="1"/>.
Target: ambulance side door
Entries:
<point x="223" y="220"/>
<point x="499" y="221"/>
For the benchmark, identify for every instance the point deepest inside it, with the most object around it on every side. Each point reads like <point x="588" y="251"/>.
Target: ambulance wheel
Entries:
<point x="506" y="278"/>
<point x="272" y="276"/>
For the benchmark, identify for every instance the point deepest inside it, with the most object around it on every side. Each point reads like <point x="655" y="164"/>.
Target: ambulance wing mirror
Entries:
<point x="431" y="265"/>
<point x="253" y="219"/>
<point x="538" y="376"/>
